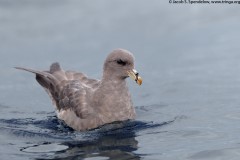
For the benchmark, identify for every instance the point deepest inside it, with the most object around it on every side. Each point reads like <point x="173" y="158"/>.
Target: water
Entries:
<point x="187" y="107"/>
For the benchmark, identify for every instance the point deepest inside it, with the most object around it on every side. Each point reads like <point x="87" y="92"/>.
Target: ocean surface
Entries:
<point x="188" y="106"/>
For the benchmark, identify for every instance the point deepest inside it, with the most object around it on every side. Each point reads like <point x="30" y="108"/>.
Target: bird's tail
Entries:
<point x="32" y="71"/>
<point x="44" y="78"/>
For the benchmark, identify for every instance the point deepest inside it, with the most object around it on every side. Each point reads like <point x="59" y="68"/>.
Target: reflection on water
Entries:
<point x="58" y="141"/>
<point x="113" y="147"/>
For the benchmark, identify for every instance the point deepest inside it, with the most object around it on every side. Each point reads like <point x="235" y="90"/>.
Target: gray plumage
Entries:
<point x="85" y="103"/>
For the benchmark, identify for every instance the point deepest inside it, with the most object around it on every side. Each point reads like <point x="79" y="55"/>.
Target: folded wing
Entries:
<point x="67" y="89"/>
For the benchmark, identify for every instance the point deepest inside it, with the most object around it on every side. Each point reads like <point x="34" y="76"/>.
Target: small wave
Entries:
<point x="126" y="127"/>
<point x="52" y="127"/>
<point x="50" y="138"/>
<point x="49" y="128"/>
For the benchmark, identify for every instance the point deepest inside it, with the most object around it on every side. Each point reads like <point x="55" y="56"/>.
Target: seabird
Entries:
<point x="84" y="103"/>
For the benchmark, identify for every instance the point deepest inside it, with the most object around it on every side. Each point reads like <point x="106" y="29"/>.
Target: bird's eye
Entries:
<point x="121" y="62"/>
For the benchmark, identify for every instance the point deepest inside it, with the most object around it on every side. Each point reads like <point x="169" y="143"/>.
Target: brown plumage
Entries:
<point x="85" y="103"/>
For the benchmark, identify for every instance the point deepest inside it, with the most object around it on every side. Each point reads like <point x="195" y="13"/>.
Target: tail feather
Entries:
<point x="33" y="71"/>
<point x="43" y="78"/>
<point x="47" y="80"/>
<point x="40" y="73"/>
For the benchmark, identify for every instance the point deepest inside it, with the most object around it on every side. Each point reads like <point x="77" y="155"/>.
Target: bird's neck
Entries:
<point x="113" y="78"/>
<point x="113" y="84"/>
<point x="113" y="100"/>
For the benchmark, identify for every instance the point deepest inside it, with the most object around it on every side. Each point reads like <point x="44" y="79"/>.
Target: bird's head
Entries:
<point x="119" y="64"/>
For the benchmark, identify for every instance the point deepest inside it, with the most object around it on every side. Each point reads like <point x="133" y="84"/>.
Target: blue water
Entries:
<point x="188" y="56"/>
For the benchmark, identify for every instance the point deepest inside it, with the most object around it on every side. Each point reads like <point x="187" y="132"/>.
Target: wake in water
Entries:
<point x="52" y="127"/>
<point x="111" y="140"/>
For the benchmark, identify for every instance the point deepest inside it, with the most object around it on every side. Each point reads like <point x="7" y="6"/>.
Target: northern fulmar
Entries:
<point x="84" y="103"/>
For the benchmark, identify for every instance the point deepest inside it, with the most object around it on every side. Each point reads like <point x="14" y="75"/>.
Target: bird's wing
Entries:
<point x="85" y="81"/>
<point x="73" y="95"/>
<point x="68" y="89"/>
<point x="74" y="92"/>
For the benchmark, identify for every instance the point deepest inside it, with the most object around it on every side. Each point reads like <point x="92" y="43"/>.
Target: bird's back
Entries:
<point x="69" y="89"/>
<point x="69" y="92"/>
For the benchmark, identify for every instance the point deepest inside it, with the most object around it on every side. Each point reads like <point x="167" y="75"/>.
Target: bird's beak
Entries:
<point x="135" y="76"/>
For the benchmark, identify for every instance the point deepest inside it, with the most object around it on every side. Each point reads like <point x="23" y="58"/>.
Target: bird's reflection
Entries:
<point x="115" y="141"/>
<point x="112" y="141"/>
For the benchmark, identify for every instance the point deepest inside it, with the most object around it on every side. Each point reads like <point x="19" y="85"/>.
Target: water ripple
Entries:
<point x="52" y="127"/>
<point x="50" y="138"/>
